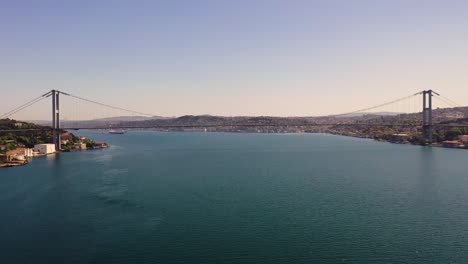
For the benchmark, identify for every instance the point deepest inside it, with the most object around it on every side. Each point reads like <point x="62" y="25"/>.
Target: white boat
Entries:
<point x="112" y="131"/>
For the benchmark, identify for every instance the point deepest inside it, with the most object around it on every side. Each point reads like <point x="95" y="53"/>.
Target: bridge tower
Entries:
<point x="427" y="117"/>
<point x="55" y="119"/>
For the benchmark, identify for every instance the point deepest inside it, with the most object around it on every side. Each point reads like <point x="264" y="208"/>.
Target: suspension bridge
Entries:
<point x="413" y="104"/>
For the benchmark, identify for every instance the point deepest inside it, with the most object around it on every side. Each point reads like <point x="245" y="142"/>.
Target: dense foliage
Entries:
<point x="14" y="138"/>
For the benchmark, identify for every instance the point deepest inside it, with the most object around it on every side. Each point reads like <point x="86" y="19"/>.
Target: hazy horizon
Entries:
<point x="236" y="58"/>
<point x="138" y="118"/>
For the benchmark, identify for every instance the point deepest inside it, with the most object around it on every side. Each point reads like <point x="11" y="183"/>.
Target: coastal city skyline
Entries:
<point x="172" y="58"/>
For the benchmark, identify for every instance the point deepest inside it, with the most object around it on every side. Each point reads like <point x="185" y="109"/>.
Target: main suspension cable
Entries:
<point x="26" y="105"/>
<point x="106" y="105"/>
<point x="377" y="106"/>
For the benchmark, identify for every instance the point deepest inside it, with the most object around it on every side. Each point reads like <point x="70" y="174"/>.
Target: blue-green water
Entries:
<point x="237" y="198"/>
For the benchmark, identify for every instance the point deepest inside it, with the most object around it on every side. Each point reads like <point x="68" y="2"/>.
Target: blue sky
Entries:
<point x="286" y="58"/>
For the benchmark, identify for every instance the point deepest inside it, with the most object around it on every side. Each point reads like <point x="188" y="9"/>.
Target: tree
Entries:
<point x="453" y="133"/>
<point x="89" y="143"/>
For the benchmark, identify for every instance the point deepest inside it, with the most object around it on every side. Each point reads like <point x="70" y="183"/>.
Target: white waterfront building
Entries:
<point x="44" y="149"/>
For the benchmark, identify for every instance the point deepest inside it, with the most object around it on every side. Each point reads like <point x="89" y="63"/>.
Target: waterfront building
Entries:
<point x="463" y="138"/>
<point x="28" y="152"/>
<point x="44" y="149"/>
<point x="66" y="138"/>
<point x="451" y="144"/>
<point x="19" y="154"/>
<point x="79" y="146"/>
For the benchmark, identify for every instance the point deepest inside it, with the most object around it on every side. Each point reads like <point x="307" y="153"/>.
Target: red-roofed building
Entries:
<point x="463" y="138"/>
<point x="66" y="136"/>
<point x="451" y="144"/>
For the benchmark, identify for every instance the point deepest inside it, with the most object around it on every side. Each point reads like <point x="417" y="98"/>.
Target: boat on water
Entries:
<point x="113" y="131"/>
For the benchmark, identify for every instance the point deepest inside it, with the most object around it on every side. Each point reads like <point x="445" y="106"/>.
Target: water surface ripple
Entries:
<point x="237" y="198"/>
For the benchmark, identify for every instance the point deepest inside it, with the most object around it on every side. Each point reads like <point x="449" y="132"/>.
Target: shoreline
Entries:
<point x="11" y="164"/>
<point x="436" y="145"/>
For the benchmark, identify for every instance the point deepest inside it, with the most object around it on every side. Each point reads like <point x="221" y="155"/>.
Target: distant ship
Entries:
<point x="112" y="131"/>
